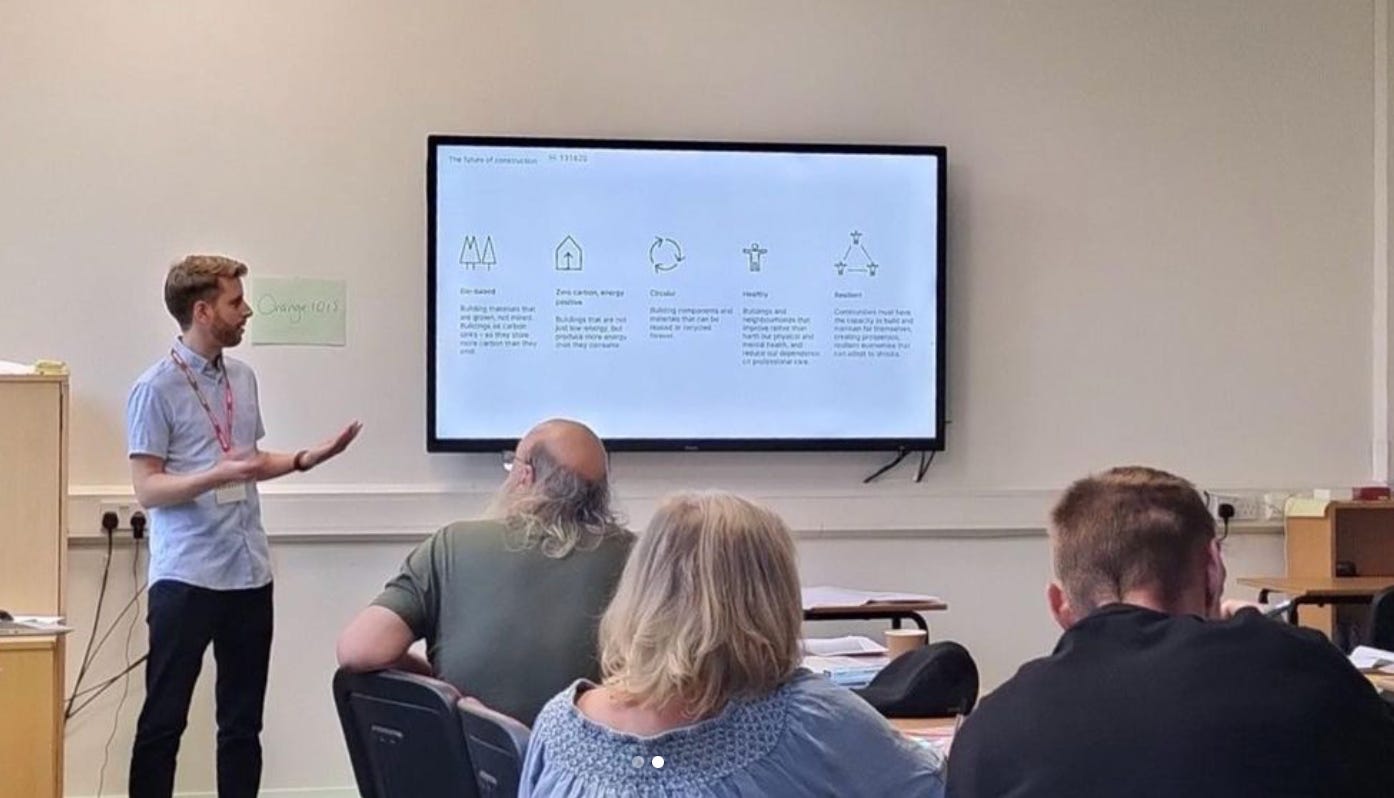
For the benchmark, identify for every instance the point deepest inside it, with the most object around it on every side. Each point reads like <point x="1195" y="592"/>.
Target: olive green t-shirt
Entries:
<point x="510" y="627"/>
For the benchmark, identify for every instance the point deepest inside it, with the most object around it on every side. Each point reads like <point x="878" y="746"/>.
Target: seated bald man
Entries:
<point x="508" y="605"/>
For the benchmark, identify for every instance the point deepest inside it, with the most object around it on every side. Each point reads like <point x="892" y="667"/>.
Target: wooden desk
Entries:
<point x="922" y="725"/>
<point x="31" y="723"/>
<point x="893" y="611"/>
<point x="936" y="734"/>
<point x="33" y="579"/>
<point x="1319" y="590"/>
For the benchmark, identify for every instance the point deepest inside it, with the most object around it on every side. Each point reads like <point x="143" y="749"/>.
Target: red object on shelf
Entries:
<point x="1370" y="493"/>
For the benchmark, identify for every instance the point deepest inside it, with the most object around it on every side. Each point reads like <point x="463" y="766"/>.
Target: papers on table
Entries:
<point x="34" y="625"/>
<point x="11" y="367"/>
<point x="825" y="596"/>
<point x="855" y="671"/>
<point x="1367" y="658"/>
<point x="835" y="646"/>
<point x="1303" y="507"/>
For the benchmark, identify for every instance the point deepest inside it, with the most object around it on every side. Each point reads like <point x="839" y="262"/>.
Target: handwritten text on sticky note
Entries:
<point x="298" y="310"/>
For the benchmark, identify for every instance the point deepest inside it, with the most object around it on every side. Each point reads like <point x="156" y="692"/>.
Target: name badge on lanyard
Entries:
<point x="234" y="491"/>
<point x="231" y="493"/>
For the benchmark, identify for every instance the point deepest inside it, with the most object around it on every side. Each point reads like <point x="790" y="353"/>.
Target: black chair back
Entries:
<point x="1381" y="633"/>
<point x="497" y="744"/>
<point x="404" y="735"/>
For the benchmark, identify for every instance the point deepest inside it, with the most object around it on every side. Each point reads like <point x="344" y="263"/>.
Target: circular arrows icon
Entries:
<point x="665" y="254"/>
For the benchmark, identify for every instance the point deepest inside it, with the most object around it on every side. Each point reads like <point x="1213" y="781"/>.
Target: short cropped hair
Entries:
<point x="707" y="609"/>
<point x="1126" y="529"/>
<point x="195" y="279"/>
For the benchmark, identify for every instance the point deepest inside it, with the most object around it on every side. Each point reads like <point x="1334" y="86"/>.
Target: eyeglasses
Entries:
<point x="510" y="458"/>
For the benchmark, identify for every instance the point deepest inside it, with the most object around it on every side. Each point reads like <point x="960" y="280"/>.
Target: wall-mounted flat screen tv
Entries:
<point x="680" y="295"/>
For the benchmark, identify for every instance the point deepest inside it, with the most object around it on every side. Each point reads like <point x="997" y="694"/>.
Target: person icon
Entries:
<point x="754" y="252"/>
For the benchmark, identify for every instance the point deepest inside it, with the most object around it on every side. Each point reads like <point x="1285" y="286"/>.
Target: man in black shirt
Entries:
<point x="1152" y="690"/>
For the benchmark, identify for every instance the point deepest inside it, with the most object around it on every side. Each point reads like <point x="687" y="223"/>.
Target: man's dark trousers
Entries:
<point x="183" y="620"/>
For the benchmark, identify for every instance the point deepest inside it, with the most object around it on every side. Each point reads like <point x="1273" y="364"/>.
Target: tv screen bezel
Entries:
<point x="435" y="443"/>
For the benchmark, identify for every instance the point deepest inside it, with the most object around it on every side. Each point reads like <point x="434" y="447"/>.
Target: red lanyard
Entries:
<point x="224" y="436"/>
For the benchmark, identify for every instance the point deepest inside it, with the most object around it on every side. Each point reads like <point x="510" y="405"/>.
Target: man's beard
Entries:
<point x="226" y="334"/>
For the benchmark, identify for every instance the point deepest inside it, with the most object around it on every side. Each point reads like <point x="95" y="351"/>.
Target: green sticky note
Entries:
<point x="298" y="310"/>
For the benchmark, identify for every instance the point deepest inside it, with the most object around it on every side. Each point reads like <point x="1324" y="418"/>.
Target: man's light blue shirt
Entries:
<point x="200" y="542"/>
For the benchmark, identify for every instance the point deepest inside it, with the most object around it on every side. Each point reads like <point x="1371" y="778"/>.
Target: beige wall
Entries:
<point x="1161" y="227"/>
<point x="1160" y="213"/>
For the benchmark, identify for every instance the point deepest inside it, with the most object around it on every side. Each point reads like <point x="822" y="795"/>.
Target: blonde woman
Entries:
<point x="702" y="691"/>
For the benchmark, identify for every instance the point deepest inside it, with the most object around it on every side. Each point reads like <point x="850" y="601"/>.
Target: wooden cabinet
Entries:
<point x="33" y="580"/>
<point x="31" y="724"/>
<point x="1358" y="533"/>
<point x="33" y="494"/>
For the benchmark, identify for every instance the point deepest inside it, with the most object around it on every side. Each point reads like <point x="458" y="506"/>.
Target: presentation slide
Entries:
<point x="685" y="294"/>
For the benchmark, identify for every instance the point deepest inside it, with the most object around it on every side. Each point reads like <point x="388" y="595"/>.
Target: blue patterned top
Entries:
<point x="809" y="737"/>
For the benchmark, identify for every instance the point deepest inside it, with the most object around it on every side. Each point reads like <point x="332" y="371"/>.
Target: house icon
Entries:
<point x="568" y="255"/>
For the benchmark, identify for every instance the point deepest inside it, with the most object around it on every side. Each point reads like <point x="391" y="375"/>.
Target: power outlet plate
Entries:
<point x="123" y="509"/>
<point x="1246" y="507"/>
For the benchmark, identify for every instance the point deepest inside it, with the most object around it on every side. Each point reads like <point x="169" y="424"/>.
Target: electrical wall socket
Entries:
<point x="1247" y="507"/>
<point x="123" y="509"/>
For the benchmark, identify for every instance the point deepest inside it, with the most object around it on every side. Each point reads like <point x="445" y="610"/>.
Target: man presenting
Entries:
<point x="193" y="422"/>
